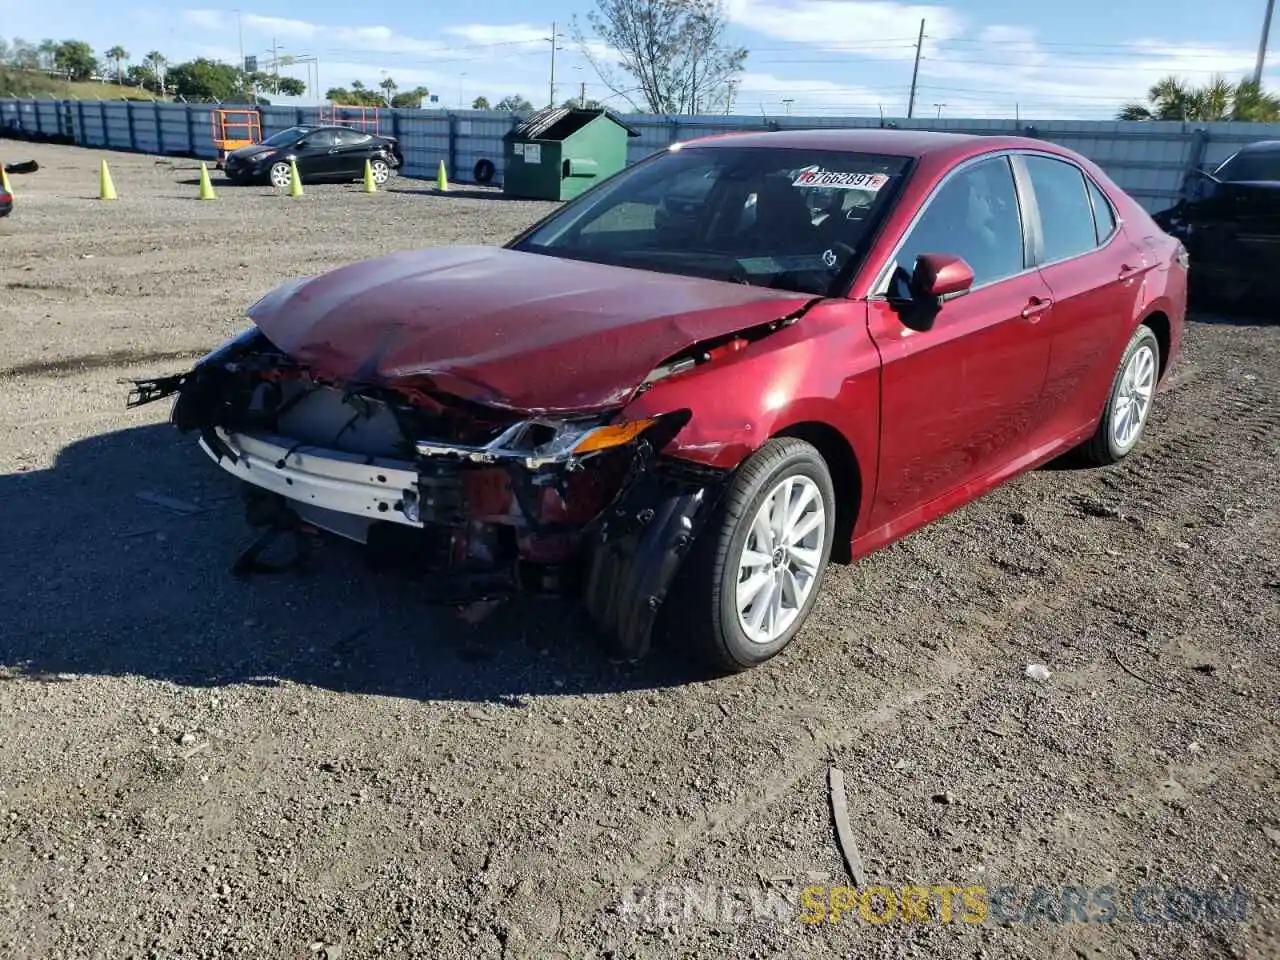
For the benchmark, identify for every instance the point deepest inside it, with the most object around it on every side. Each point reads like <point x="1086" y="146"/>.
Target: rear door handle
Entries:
<point x="1127" y="271"/>
<point x="1035" y="307"/>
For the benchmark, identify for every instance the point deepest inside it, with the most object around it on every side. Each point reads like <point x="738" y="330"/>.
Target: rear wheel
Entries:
<point x="755" y="572"/>
<point x="1128" y="406"/>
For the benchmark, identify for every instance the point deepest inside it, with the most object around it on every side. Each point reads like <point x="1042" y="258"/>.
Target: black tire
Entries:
<point x="385" y="164"/>
<point x="700" y="615"/>
<point x="273" y="169"/>
<point x="1102" y="449"/>
<point x="484" y="171"/>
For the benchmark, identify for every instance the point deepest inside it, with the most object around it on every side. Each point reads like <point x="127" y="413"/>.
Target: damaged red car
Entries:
<point x="680" y="396"/>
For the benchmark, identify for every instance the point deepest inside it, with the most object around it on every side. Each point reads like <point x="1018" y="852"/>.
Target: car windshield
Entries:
<point x="1255" y="166"/>
<point x="785" y="218"/>
<point x="284" y="137"/>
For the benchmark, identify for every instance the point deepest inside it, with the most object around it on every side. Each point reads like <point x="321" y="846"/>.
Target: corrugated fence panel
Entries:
<point x="1147" y="159"/>
<point x="146" y="132"/>
<point x="175" y="125"/>
<point x="425" y="141"/>
<point x="119" y="123"/>
<point x="90" y="130"/>
<point x="478" y="136"/>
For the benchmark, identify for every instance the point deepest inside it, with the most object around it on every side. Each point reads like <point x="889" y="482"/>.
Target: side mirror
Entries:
<point x="939" y="277"/>
<point x="300" y="144"/>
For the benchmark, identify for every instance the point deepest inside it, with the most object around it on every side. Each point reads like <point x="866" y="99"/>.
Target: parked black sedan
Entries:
<point x="1229" y="220"/>
<point x="320" y="152"/>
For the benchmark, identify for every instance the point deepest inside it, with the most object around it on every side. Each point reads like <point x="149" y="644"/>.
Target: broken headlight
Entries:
<point x="539" y="442"/>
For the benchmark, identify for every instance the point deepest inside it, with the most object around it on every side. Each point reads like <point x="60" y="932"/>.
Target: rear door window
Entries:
<point x="1066" y="212"/>
<point x="1104" y="216"/>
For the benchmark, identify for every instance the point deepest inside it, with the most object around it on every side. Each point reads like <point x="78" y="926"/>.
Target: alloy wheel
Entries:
<point x="781" y="558"/>
<point x="1133" y="399"/>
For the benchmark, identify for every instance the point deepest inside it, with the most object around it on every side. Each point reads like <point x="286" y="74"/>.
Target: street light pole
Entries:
<point x="1262" y="44"/>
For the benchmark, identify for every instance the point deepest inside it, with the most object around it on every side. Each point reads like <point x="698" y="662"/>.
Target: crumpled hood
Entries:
<point x="525" y="331"/>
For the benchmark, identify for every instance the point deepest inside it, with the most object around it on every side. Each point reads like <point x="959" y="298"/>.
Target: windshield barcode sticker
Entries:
<point x="815" y="176"/>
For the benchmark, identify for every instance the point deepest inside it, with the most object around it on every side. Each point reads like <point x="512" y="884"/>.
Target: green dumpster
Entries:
<point x="561" y="151"/>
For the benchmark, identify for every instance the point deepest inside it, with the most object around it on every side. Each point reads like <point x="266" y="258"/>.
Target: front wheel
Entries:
<point x="755" y="572"/>
<point x="279" y="174"/>
<point x="1129" y="404"/>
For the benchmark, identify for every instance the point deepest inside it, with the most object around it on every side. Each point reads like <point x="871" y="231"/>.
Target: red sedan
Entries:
<point x="681" y="395"/>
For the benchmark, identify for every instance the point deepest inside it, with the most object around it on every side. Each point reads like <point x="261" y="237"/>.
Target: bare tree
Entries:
<point x="673" y="53"/>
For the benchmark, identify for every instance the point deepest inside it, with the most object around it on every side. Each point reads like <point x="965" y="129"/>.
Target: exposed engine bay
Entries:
<point x="480" y="503"/>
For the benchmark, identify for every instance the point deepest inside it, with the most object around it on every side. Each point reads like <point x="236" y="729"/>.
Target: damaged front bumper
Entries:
<point x="341" y="492"/>
<point x="477" y="504"/>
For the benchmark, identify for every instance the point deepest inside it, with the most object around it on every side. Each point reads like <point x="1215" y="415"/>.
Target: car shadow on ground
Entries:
<point x="118" y="559"/>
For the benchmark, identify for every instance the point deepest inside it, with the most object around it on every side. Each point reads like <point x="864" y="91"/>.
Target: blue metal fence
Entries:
<point x="1147" y="159"/>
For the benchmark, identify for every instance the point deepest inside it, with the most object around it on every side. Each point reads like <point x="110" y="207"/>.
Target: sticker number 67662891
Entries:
<point x="815" y="176"/>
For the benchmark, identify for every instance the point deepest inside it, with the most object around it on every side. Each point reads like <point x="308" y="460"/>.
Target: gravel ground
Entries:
<point x="321" y="765"/>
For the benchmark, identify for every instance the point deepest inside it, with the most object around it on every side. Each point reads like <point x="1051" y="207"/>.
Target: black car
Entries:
<point x="1229" y="221"/>
<point x="320" y="152"/>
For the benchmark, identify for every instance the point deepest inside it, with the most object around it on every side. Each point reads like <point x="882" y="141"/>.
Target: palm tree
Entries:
<point x="118" y="55"/>
<point x="1219" y="99"/>
<point x="388" y="86"/>
<point x="155" y="62"/>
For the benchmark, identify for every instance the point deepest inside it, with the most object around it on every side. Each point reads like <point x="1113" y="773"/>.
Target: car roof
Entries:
<point x="1261" y="146"/>
<point x="890" y="142"/>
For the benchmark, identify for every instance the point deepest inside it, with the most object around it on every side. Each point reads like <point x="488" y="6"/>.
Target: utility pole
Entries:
<point x="915" y="72"/>
<point x="240" y="36"/>
<point x="552" y="101"/>
<point x="275" y="63"/>
<point x="728" y="103"/>
<point x="939" y="106"/>
<point x="1262" y="45"/>
<point x="582" y="97"/>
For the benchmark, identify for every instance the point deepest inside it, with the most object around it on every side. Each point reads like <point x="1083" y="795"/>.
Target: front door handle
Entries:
<point x="1036" y="306"/>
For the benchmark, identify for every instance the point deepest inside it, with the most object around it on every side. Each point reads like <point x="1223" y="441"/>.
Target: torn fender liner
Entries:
<point x="638" y="548"/>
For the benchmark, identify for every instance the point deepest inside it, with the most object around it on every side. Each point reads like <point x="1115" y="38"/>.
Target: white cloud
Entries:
<point x="878" y="29"/>
<point x="281" y="26"/>
<point x="203" y="19"/>
<point x="975" y="69"/>
<point x="484" y="34"/>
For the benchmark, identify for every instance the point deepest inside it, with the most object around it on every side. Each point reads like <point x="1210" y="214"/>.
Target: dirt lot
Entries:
<point x="192" y="766"/>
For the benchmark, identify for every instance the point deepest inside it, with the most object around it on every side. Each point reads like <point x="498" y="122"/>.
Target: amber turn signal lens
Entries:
<point x="614" y="435"/>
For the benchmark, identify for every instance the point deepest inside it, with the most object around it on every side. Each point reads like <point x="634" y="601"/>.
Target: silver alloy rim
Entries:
<point x="280" y="175"/>
<point x="779" y="564"/>
<point x="380" y="172"/>
<point x="1133" y="399"/>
